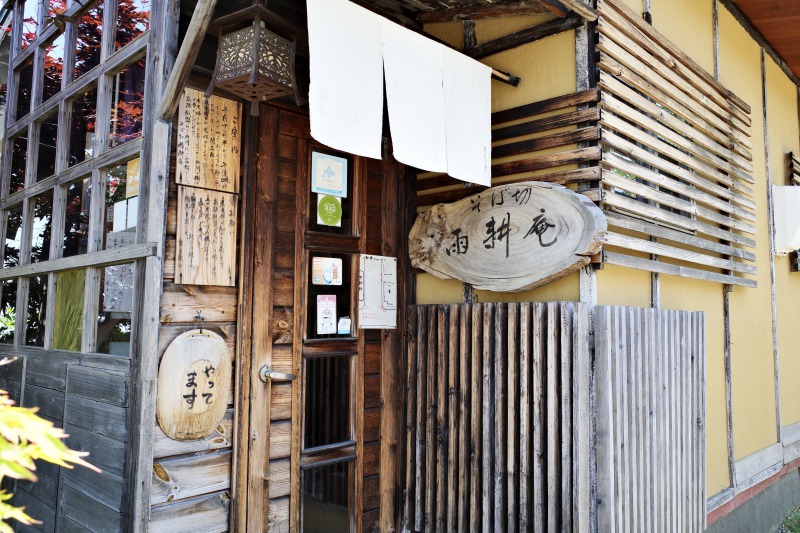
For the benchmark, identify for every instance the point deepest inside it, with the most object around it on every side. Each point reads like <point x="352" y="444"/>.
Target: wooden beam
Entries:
<point x="529" y="35"/>
<point x="563" y="7"/>
<point x="525" y="7"/>
<point x="186" y="57"/>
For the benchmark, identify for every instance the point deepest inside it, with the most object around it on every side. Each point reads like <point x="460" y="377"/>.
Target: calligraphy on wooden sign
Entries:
<point x="209" y="142"/>
<point x="194" y="381"/>
<point x="508" y="238"/>
<point x="206" y="238"/>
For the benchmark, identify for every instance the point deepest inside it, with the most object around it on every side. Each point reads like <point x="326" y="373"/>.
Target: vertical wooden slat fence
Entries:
<point x="498" y="432"/>
<point x="650" y="407"/>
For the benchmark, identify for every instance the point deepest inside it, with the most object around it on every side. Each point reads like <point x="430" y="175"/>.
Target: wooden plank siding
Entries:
<point x="194" y="476"/>
<point x="493" y="442"/>
<point x="649" y="379"/>
<point x="676" y="158"/>
<point x="88" y="396"/>
<point x="535" y="141"/>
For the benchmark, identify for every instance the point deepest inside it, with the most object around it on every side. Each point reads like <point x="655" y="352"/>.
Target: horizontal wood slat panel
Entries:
<point x="676" y="158"/>
<point x="613" y="258"/>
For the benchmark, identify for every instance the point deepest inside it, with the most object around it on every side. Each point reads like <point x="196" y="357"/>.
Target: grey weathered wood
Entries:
<point x="86" y="511"/>
<point x="553" y="420"/>
<point x="104" y="452"/>
<point x="524" y="386"/>
<point x="539" y="497"/>
<point x="104" y="487"/>
<point x="98" y="384"/>
<point x="512" y="429"/>
<point x="499" y="383"/>
<point x="488" y="398"/>
<point x="190" y="47"/>
<point x="615" y="258"/>
<point x="98" y="417"/>
<point x="114" y="256"/>
<point x="476" y="403"/>
<point x="186" y="477"/>
<point x="221" y="437"/>
<point x="206" y="513"/>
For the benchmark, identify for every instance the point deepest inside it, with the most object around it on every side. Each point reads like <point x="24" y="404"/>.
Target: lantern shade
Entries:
<point x="255" y="63"/>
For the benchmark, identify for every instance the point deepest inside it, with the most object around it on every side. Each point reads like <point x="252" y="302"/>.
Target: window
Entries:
<point x="70" y="173"/>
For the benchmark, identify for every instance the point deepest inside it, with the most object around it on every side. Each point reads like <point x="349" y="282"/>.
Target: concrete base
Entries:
<point x="765" y="511"/>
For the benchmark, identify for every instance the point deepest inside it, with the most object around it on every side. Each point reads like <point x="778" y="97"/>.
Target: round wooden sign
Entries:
<point x="508" y="238"/>
<point x="194" y="382"/>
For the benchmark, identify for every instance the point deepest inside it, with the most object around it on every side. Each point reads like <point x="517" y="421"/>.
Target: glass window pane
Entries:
<point x="68" y="314"/>
<point x="133" y="19"/>
<point x="116" y="304"/>
<point x="326" y="491"/>
<point x="41" y="231"/>
<point x="81" y="137"/>
<point x="37" y="307"/>
<point x="53" y="68"/>
<point x="76" y="221"/>
<point x="122" y="205"/>
<point x="327" y="402"/>
<point x="19" y="161"/>
<point x="48" y="136"/>
<point x="30" y="22"/>
<point x="89" y="39"/>
<point x="25" y="80"/>
<point x="128" y="104"/>
<point x="13" y="236"/>
<point x="8" y="313"/>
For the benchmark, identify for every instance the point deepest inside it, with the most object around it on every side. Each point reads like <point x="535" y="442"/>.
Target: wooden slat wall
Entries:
<point x="676" y="154"/>
<point x="87" y="395"/>
<point x="192" y="479"/>
<point x="792" y="169"/>
<point x="539" y="139"/>
<point x="649" y="378"/>
<point x="497" y="418"/>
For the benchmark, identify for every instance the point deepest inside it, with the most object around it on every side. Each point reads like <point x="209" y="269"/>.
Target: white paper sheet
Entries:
<point x="377" y="292"/>
<point x="468" y="117"/>
<point x="346" y="88"/>
<point x="415" y="98"/>
<point x="120" y="216"/>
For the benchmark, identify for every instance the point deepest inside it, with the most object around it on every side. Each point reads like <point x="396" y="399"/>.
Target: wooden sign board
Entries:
<point x="508" y="238"/>
<point x="209" y="142"/>
<point x="205" y="248"/>
<point x="194" y="381"/>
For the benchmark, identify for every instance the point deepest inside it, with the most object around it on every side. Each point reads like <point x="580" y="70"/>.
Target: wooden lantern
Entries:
<point x="253" y="62"/>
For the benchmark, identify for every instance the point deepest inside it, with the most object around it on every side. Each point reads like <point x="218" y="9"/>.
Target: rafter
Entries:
<point x="526" y="7"/>
<point x="552" y="27"/>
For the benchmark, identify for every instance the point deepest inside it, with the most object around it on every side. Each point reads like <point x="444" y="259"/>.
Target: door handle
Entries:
<point x="267" y="375"/>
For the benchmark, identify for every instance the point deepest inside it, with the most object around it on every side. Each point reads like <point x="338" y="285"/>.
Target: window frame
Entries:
<point x="103" y="158"/>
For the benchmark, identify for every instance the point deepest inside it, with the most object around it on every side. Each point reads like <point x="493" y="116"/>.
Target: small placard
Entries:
<point x="344" y="326"/>
<point x="328" y="174"/>
<point x="326" y="271"/>
<point x="133" y="170"/>
<point x="194" y="380"/>
<point x="377" y="292"/>
<point x="326" y="314"/>
<point x="329" y="210"/>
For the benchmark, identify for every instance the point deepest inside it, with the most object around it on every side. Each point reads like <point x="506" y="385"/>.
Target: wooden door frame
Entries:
<point x="253" y="402"/>
<point x="250" y="497"/>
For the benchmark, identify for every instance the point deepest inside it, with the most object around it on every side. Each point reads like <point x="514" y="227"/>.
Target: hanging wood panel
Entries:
<point x="497" y="418"/>
<point x="209" y="142"/>
<point x="676" y="158"/>
<point x="206" y="237"/>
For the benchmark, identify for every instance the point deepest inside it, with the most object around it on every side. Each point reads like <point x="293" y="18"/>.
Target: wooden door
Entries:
<point x="319" y="451"/>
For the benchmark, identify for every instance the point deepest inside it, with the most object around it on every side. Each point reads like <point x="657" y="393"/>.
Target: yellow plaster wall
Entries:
<point x="752" y="367"/>
<point x="547" y="69"/>
<point x="784" y="137"/>
<point x="689" y="25"/>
